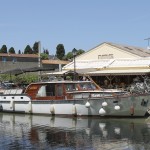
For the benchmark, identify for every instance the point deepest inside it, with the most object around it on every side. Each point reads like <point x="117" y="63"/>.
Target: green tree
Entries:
<point x="11" y="50"/>
<point x="3" y="49"/>
<point x="60" y="51"/>
<point x="28" y="50"/>
<point x="44" y="56"/>
<point x="80" y="51"/>
<point x="19" y="52"/>
<point x="47" y="52"/>
<point x="69" y="56"/>
<point x="35" y="48"/>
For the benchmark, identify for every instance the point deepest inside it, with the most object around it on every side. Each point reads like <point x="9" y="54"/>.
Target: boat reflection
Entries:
<point x="44" y="132"/>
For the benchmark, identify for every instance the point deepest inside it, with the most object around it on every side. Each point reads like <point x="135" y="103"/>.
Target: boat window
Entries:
<point x="50" y="89"/>
<point x="93" y="86"/>
<point x="71" y="87"/>
<point x="87" y="86"/>
<point x="59" y="90"/>
<point x="46" y="90"/>
<point x="41" y="91"/>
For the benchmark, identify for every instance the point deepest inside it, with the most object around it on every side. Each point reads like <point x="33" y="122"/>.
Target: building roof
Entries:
<point x="135" y="50"/>
<point x="19" y="71"/>
<point x="51" y="61"/>
<point x="142" y="52"/>
<point x="18" y="55"/>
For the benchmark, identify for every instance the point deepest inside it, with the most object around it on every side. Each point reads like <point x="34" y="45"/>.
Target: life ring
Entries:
<point x="132" y="110"/>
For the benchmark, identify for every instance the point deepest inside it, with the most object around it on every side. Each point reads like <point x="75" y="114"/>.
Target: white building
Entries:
<point x="114" y="62"/>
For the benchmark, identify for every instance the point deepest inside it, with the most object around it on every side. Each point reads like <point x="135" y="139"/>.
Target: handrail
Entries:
<point x="12" y="91"/>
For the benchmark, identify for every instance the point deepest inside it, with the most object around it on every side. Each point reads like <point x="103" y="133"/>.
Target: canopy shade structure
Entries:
<point x="120" y="72"/>
<point x="21" y="71"/>
<point x="108" y="63"/>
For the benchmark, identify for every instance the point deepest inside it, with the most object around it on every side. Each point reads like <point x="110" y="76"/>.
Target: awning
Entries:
<point x="81" y="71"/>
<point x="119" y="72"/>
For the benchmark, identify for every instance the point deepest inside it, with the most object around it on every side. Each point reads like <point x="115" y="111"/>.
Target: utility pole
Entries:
<point x="39" y="59"/>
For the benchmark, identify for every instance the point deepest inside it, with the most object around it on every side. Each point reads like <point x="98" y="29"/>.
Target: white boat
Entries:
<point x="75" y="98"/>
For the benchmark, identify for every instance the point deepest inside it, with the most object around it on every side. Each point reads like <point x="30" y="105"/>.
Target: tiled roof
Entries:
<point x="142" y="52"/>
<point x="135" y="50"/>
<point x="51" y="61"/>
<point x="18" y="55"/>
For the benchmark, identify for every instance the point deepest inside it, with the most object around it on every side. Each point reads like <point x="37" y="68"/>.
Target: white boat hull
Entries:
<point x="116" y="106"/>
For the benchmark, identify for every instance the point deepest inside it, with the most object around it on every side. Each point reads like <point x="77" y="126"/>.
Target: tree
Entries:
<point x="28" y="50"/>
<point x="44" y="56"/>
<point x="60" y="51"/>
<point x="35" y="48"/>
<point x="3" y="49"/>
<point x="80" y="51"/>
<point x="19" y="52"/>
<point x="11" y="50"/>
<point x="69" y="56"/>
<point x="47" y="52"/>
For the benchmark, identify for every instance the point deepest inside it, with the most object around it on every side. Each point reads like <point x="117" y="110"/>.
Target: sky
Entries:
<point x="80" y="24"/>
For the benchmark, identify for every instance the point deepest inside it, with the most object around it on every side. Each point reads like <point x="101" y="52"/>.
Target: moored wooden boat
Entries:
<point x="78" y="98"/>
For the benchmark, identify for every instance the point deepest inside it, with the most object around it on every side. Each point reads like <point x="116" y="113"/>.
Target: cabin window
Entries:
<point x="50" y="89"/>
<point x="59" y="90"/>
<point x="87" y="86"/>
<point x="42" y="91"/>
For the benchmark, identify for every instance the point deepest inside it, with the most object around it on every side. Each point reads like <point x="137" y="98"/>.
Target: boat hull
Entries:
<point x="126" y="106"/>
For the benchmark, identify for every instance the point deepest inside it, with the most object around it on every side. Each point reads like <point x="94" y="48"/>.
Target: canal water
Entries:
<point x="32" y="132"/>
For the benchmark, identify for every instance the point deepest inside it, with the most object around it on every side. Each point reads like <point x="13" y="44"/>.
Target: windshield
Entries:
<point x="8" y="85"/>
<point x="87" y="86"/>
<point x="71" y="87"/>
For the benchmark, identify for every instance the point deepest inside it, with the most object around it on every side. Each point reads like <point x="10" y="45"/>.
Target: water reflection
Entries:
<point x="44" y="132"/>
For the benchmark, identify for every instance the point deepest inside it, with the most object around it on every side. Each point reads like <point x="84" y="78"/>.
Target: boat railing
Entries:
<point x="13" y="91"/>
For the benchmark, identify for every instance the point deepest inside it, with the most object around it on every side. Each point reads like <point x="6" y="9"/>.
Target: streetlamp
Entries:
<point x="74" y="52"/>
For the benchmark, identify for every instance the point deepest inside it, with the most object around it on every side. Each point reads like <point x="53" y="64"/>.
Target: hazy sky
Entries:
<point x="80" y="24"/>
